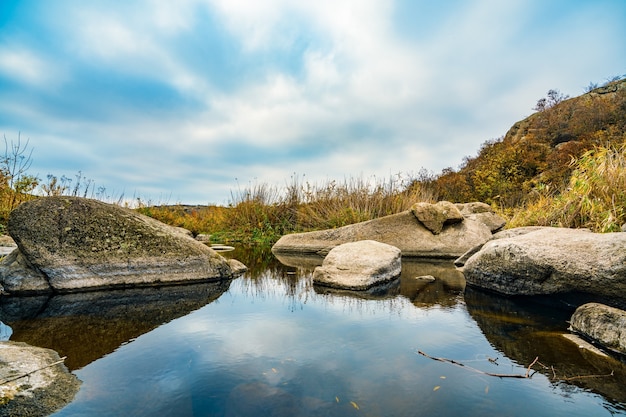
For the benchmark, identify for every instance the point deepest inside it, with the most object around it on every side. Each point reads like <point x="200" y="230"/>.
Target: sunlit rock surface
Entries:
<point x="435" y="216"/>
<point x="71" y="244"/>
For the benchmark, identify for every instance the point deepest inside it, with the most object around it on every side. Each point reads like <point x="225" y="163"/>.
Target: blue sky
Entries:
<point x="186" y="101"/>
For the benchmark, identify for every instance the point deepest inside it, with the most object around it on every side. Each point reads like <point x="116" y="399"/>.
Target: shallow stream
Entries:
<point x="270" y="343"/>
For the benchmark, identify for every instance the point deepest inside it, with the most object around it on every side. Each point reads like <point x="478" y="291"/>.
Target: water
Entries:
<point x="272" y="344"/>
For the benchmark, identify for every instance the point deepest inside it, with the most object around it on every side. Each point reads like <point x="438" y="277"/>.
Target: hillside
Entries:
<point x="537" y="153"/>
<point x="564" y="165"/>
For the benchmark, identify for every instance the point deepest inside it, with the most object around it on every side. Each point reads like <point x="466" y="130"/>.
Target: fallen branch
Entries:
<point x="469" y="368"/>
<point x="530" y="366"/>
<point x="525" y="376"/>
<point x="32" y="372"/>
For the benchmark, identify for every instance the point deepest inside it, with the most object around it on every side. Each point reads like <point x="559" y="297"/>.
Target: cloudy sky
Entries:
<point x="189" y="100"/>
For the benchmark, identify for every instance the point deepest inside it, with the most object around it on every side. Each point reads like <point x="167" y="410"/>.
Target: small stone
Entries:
<point x="426" y="278"/>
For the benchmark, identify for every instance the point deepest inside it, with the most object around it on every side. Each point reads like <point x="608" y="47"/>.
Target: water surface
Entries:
<point x="272" y="344"/>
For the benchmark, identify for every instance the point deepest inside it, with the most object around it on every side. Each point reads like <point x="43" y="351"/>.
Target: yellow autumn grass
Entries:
<point x="595" y="197"/>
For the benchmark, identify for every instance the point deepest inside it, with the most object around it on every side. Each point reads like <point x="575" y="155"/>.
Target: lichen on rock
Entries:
<point x="78" y="243"/>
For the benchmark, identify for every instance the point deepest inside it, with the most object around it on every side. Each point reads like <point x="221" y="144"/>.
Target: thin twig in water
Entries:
<point x="32" y="372"/>
<point x="530" y="366"/>
<point x="478" y="370"/>
<point x="528" y="375"/>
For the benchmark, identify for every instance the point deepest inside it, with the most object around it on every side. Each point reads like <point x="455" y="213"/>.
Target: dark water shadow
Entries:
<point x="524" y="328"/>
<point x="384" y="290"/>
<point x="86" y="326"/>
<point x="446" y="290"/>
<point x="258" y="258"/>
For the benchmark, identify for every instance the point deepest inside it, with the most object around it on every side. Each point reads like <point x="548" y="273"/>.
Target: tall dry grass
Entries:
<point x="595" y="197"/>
<point x="262" y="213"/>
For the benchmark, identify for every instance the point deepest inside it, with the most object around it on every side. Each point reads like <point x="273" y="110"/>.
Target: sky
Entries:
<point x="193" y="101"/>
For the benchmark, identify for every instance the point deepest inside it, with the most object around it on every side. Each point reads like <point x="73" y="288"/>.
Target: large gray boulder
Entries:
<point x="359" y="265"/>
<point x="34" y="381"/>
<point x="72" y="244"/>
<point x="552" y="260"/>
<point x="404" y="231"/>
<point x="606" y="325"/>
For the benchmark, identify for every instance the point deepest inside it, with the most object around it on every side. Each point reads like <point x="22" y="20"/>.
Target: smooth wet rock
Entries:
<point x="603" y="324"/>
<point x="359" y="265"/>
<point x="77" y="244"/>
<point x="550" y="261"/>
<point x="425" y="278"/>
<point x="42" y="389"/>
<point x="19" y="275"/>
<point x="402" y="230"/>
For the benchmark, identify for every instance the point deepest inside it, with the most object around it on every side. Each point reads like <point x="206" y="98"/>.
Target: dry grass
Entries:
<point x="595" y="197"/>
<point x="261" y="213"/>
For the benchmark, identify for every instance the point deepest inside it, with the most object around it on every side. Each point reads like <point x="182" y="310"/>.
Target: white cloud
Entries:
<point x="374" y="99"/>
<point x="28" y="67"/>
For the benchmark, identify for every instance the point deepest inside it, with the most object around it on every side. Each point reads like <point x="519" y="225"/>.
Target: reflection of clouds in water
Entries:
<point x="264" y="338"/>
<point x="5" y="332"/>
<point x="333" y="346"/>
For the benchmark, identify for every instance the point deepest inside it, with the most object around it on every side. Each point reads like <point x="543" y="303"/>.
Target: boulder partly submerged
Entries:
<point x="34" y="381"/>
<point x="424" y="231"/>
<point x="603" y="324"/>
<point x="550" y="261"/>
<point x="359" y="265"/>
<point x="73" y="244"/>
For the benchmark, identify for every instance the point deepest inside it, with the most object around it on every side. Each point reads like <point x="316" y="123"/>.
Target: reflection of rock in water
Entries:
<point x="523" y="330"/>
<point x="300" y="261"/>
<point x="445" y="290"/>
<point x="87" y="326"/>
<point x="449" y="282"/>
<point x="384" y="290"/>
